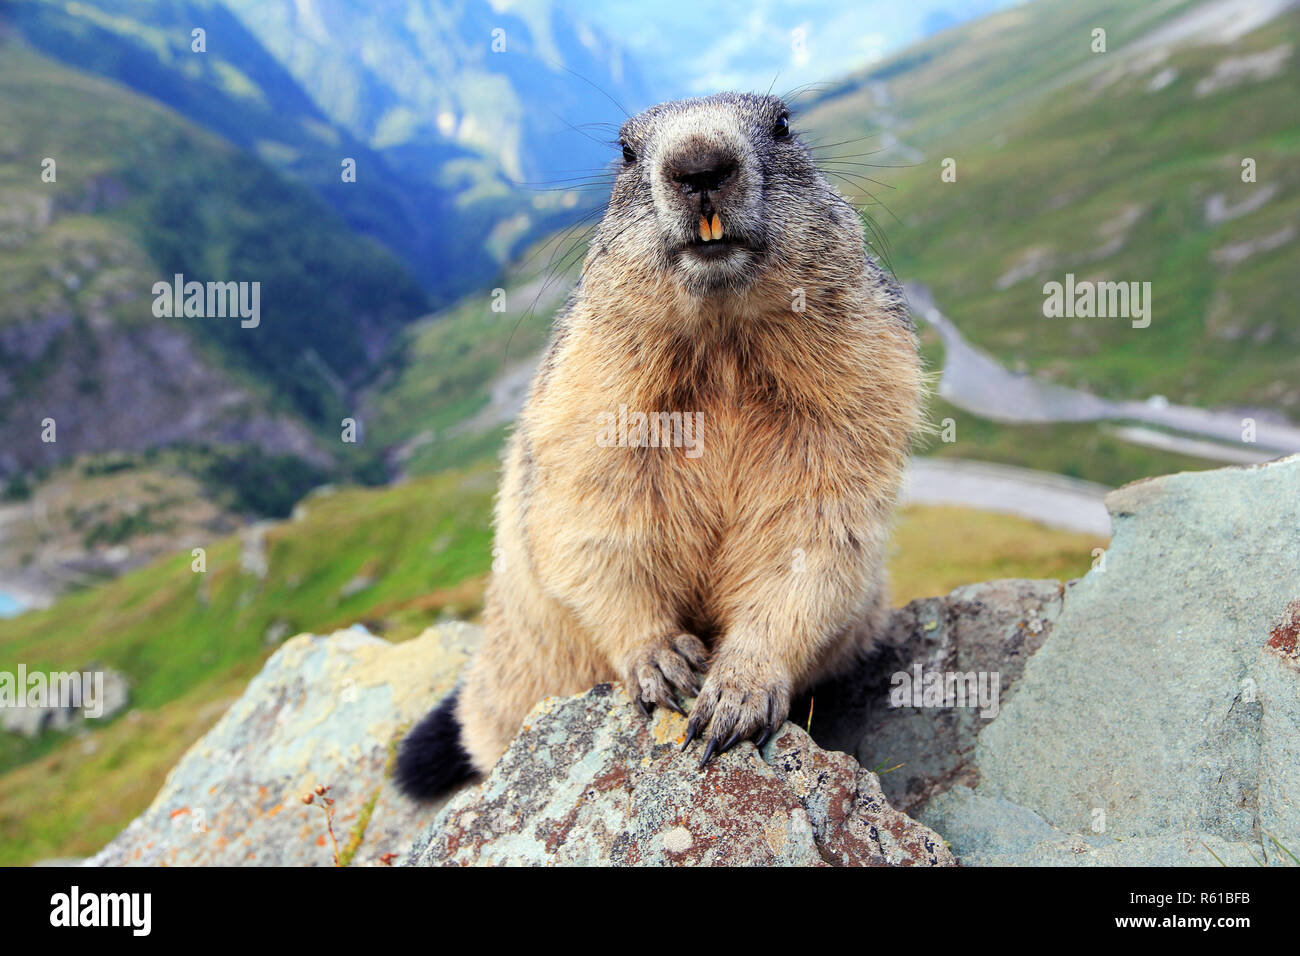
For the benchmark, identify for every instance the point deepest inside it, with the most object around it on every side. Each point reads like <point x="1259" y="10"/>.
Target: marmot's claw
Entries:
<point x="709" y="749"/>
<point x="692" y="728"/>
<point x="736" y="705"/>
<point x="774" y="721"/>
<point x="664" y="668"/>
<point x="693" y="649"/>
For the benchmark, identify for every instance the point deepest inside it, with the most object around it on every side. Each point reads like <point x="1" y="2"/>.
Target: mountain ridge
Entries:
<point x="138" y="196"/>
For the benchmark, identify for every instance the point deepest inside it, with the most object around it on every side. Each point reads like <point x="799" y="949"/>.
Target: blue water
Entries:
<point x="9" y="605"/>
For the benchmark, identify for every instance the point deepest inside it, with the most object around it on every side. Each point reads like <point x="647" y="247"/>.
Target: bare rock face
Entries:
<point x="982" y="633"/>
<point x="157" y="380"/>
<point x="590" y="782"/>
<point x="1160" y="723"/>
<point x="324" y="711"/>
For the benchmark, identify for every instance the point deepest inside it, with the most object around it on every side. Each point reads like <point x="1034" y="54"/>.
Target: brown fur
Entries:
<point x="766" y="552"/>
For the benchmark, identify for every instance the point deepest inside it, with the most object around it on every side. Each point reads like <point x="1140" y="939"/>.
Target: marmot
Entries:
<point x="697" y="493"/>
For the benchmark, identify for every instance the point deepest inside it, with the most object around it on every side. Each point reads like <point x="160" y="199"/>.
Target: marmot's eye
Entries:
<point x="628" y="155"/>
<point x="782" y="128"/>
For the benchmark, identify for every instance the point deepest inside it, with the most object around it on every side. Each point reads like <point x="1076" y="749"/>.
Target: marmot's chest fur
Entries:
<point x="783" y="429"/>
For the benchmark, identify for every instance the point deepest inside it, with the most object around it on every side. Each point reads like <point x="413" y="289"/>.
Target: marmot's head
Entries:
<point x="715" y="191"/>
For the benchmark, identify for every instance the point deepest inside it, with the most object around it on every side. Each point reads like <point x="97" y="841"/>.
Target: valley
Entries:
<point x="416" y="300"/>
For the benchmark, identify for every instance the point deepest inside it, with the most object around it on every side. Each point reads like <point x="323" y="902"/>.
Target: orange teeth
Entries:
<point x="710" y="230"/>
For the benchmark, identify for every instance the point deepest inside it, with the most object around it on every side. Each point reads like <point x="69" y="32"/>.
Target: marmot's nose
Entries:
<point x="704" y="174"/>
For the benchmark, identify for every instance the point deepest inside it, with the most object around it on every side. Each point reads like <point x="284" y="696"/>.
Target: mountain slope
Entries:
<point x="409" y="77"/>
<point x="528" y="94"/>
<point x="1117" y="166"/>
<point x="441" y="129"/>
<point x="239" y="91"/>
<point x="140" y="195"/>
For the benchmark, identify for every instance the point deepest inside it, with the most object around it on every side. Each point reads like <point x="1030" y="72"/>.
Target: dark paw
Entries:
<point x="665" y="668"/>
<point x="737" y="702"/>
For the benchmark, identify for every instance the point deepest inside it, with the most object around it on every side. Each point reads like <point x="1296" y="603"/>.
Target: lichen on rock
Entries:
<point x="590" y="782"/>
<point x="324" y="711"/>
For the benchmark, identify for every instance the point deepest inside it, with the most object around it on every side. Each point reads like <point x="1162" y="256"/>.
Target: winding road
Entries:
<point x="975" y="381"/>
<point x="1042" y="496"/>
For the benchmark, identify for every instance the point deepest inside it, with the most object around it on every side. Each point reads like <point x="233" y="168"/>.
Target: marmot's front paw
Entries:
<point x="664" y="666"/>
<point x="740" y="700"/>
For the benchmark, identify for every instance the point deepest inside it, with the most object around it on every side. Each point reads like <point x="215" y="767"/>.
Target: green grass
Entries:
<point x="1047" y="161"/>
<point x="170" y="629"/>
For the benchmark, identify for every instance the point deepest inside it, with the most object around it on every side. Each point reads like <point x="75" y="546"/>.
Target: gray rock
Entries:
<point x="589" y="782"/>
<point x="1155" y="715"/>
<point x="990" y="831"/>
<point x="990" y="629"/>
<point x="323" y="711"/>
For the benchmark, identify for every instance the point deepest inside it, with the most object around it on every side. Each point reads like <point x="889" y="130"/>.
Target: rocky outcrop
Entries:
<point x="1146" y="714"/>
<point x="589" y="782"/>
<point x="1158" y="724"/>
<point x="324" y="712"/>
<point x="985" y="631"/>
<point x="162" y="386"/>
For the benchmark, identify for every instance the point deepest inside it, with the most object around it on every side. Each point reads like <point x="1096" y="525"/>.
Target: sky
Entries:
<point x="702" y="46"/>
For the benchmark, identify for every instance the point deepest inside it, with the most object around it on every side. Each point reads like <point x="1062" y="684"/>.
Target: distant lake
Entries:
<point x="10" y="605"/>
